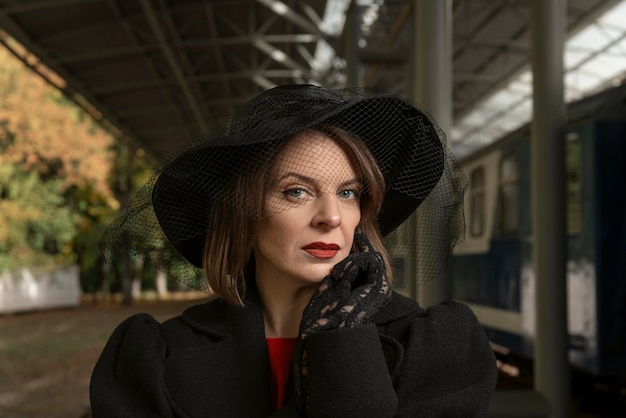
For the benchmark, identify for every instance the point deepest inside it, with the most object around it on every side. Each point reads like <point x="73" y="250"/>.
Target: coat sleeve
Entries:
<point x="433" y="363"/>
<point x="448" y="368"/>
<point x="348" y="374"/>
<point x="127" y="380"/>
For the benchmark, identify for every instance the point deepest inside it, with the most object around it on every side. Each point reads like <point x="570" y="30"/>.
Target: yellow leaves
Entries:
<point x="38" y="124"/>
<point x="51" y="152"/>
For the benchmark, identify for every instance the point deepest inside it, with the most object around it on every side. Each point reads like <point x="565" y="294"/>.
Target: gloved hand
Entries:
<point x="354" y="291"/>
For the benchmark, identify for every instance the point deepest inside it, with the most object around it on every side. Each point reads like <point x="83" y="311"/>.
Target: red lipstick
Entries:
<point x="321" y="249"/>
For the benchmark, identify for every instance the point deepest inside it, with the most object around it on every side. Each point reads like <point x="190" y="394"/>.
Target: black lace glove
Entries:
<point x="354" y="291"/>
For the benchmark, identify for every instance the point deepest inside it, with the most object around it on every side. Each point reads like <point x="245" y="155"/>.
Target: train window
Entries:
<point x="573" y="163"/>
<point x="508" y="216"/>
<point x="477" y="202"/>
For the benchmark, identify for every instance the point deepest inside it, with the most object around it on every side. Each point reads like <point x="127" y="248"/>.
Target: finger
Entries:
<point x="327" y="298"/>
<point x="359" y="264"/>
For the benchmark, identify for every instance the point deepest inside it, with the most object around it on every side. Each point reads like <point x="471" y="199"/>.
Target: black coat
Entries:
<point x="212" y="361"/>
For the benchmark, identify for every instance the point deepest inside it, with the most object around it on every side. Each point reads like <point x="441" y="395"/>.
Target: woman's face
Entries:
<point x="311" y="212"/>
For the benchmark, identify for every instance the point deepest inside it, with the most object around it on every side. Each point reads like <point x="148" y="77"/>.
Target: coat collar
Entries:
<point x="244" y="327"/>
<point x="226" y="343"/>
<point x="220" y="319"/>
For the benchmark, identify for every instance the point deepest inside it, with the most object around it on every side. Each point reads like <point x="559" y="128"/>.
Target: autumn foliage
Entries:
<point x="55" y="163"/>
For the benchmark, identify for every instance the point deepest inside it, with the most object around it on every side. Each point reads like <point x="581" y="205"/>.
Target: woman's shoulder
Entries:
<point x="445" y="362"/>
<point x="143" y="336"/>
<point x="446" y="319"/>
<point x="130" y="374"/>
<point x="145" y="327"/>
<point x="402" y="307"/>
<point x="210" y="318"/>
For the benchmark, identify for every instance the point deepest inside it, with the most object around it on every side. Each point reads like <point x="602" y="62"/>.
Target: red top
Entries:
<point x="280" y="352"/>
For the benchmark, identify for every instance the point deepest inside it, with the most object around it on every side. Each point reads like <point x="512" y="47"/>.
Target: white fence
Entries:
<point x="31" y="289"/>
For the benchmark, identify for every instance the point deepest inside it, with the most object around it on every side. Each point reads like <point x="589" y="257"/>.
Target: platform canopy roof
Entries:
<point x="161" y="72"/>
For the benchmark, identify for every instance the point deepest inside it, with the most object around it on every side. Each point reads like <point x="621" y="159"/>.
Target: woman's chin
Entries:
<point x="315" y="277"/>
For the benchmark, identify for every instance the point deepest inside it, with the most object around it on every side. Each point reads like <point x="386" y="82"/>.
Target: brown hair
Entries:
<point x="229" y="245"/>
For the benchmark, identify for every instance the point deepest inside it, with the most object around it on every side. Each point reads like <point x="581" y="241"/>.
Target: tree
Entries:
<point x="127" y="175"/>
<point x="36" y="227"/>
<point x="54" y="167"/>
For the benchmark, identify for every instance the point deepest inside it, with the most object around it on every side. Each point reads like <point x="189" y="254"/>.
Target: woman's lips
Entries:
<point x="321" y="250"/>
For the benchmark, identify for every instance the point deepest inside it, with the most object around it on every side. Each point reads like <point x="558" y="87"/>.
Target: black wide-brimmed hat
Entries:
<point x="168" y="217"/>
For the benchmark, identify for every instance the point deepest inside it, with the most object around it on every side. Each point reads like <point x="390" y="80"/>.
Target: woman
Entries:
<point x="282" y="217"/>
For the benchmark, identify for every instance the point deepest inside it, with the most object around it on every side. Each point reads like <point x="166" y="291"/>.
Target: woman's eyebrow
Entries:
<point x="354" y="181"/>
<point x="311" y="180"/>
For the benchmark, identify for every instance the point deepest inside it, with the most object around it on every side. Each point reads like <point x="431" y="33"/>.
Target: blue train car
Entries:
<point x="492" y="269"/>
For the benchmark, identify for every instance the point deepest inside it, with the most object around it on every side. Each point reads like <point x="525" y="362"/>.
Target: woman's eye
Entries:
<point x="295" y="194"/>
<point x="349" y="194"/>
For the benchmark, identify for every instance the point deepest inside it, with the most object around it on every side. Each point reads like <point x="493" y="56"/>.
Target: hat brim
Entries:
<point x="402" y="139"/>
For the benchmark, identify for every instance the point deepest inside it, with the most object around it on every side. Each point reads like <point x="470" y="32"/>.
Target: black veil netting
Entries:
<point x="422" y="212"/>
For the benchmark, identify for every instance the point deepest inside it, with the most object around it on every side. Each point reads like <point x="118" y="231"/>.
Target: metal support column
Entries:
<point x="551" y="371"/>
<point x="352" y="33"/>
<point x="433" y="26"/>
<point x="433" y="29"/>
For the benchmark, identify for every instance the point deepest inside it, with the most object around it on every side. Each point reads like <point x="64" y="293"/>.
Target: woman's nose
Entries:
<point x="327" y="211"/>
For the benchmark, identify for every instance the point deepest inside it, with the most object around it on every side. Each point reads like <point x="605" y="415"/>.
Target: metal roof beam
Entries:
<point x="306" y="55"/>
<point x="74" y="90"/>
<point x="218" y="52"/>
<point x="223" y="76"/>
<point x="21" y="6"/>
<point x="300" y="38"/>
<point x="173" y="63"/>
<point x="288" y="13"/>
<point x="263" y="77"/>
<point x="312" y="14"/>
<point x="279" y="56"/>
<point x="511" y="45"/>
<point x="143" y="111"/>
<point x="262" y="82"/>
<point x="581" y="21"/>
<point x="130" y="31"/>
<point x="184" y="59"/>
